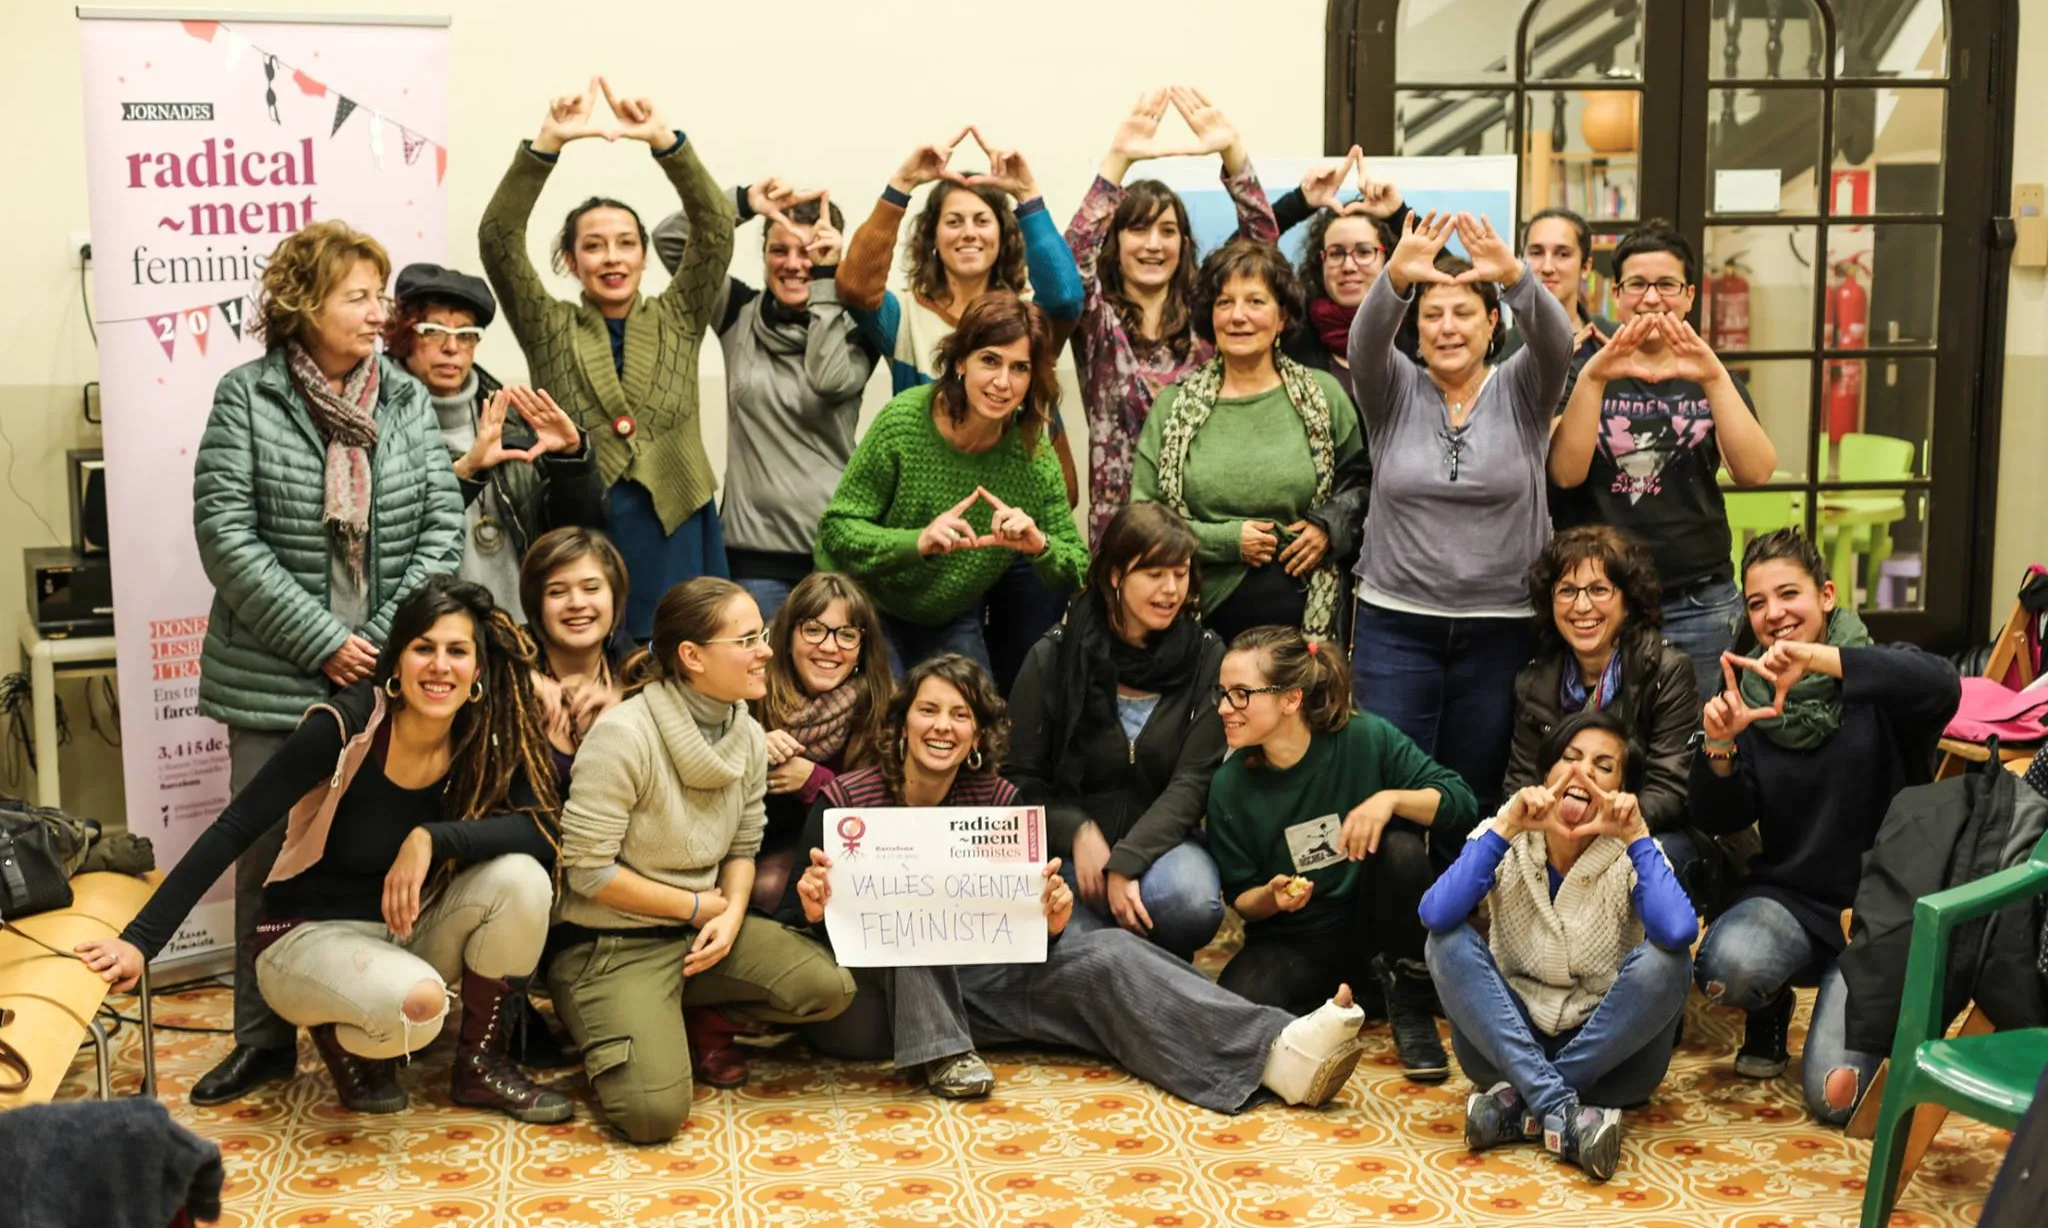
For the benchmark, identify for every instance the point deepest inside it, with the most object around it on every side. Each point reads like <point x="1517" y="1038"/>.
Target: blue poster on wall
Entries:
<point x="1481" y="186"/>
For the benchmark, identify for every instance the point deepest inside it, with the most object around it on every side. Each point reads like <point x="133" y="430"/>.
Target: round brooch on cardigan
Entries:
<point x="623" y="426"/>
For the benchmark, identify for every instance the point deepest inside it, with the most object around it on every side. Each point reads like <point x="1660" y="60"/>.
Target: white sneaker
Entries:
<point x="1314" y="1056"/>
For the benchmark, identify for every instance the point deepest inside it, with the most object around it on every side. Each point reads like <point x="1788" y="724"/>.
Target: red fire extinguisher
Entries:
<point x="1848" y="329"/>
<point x="1727" y="309"/>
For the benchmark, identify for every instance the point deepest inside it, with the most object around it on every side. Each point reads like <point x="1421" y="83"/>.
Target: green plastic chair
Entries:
<point x="1752" y="513"/>
<point x="1989" y="1077"/>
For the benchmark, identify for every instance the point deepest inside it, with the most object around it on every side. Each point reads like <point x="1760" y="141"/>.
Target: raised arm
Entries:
<point x="864" y="273"/>
<point x="838" y="358"/>
<point x="1381" y="375"/>
<point x="501" y="235"/>
<point x="1536" y="371"/>
<point x="1055" y="279"/>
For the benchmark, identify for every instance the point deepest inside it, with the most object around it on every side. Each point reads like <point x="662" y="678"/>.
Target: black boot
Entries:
<point x="1766" y="1040"/>
<point x="534" y="1043"/>
<point x="1409" y="996"/>
<point x="243" y="1071"/>
<point x="365" y="1085"/>
<point x="485" y="1075"/>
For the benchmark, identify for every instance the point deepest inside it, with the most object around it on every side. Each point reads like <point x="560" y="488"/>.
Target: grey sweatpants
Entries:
<point x="256" y="1025"/>
<point x="1106" y="992"/>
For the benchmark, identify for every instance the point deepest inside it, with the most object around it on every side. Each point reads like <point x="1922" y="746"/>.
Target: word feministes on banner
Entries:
<point x="936" y="886"/>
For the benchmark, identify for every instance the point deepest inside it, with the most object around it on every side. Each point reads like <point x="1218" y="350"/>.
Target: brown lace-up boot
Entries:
<point x="485" y="1075"/>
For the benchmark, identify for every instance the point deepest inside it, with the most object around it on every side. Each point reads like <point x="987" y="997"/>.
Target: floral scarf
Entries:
<point x="347" y="422"/>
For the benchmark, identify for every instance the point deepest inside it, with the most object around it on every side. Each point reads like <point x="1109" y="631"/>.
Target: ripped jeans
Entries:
<point x="492" y="919"/>
<point x="1751" y="955"/>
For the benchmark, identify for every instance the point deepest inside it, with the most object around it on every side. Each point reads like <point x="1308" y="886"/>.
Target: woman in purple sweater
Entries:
<point x="1137" y="259"/>
<point x="1458" y="446"/>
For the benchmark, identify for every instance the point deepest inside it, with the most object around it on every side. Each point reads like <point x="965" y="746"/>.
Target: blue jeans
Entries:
<point x="767" y="594"/>
<point x="1018" y="610"/>
<point x="1702" y="621"/>
<point x="1449" y="684"/>
<point x="910" y="642"/>
<point x="1751" y="956"/>
<point x="1181" y="892"/>
<point x="1613" y="1060"/>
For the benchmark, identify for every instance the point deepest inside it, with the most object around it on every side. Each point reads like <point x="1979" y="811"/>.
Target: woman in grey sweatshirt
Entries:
<point x="795" y="368"/>
<point x="1458" y="508"/>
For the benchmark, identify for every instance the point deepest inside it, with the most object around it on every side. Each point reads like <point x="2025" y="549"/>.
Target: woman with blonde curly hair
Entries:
<point x="321" y="497"/>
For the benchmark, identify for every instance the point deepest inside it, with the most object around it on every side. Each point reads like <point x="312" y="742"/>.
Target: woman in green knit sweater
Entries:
<point x="952" y="482"/>
<point x="623" y="366"/>
<point x="1261" y="456"/>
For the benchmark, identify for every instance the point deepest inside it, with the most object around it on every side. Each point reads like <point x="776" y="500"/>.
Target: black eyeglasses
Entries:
<point x="1361" y="254"/>
<point x="1666" y="287"/>
<point x="1240" y="697"/>
<point x="814" y="632"/>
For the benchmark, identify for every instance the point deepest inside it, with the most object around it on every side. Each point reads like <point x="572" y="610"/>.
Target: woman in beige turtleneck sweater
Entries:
<point x="658" y="840"/>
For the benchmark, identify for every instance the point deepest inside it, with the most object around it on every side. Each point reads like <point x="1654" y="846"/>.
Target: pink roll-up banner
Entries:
<point x="209" y="137"/>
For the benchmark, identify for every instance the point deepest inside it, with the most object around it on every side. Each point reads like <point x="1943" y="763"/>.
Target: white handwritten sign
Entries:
<point x="936" y="886"/>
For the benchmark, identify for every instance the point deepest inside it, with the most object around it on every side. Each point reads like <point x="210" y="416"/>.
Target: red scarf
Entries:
<point x="1332" y="321"/>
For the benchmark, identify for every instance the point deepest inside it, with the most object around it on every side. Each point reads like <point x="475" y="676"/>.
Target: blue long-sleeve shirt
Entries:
<point x="1662" y="905"/>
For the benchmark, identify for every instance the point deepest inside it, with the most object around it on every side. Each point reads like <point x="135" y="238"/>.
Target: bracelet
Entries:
<point x="696" y="900"/>
<point x="1718" y="750"/>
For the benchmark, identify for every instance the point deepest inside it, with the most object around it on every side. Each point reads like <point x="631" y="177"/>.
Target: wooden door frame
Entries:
<point x="1976" y="239"/>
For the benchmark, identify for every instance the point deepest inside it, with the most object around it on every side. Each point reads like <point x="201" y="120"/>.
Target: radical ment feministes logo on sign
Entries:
<point x="927" y="886"/>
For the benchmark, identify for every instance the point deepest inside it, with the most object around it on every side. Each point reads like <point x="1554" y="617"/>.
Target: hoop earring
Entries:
<point x="974" y="760"/>
<point x="902" y="747"/>
<point x="391" y="686"/>
<point x="476" y="691"/>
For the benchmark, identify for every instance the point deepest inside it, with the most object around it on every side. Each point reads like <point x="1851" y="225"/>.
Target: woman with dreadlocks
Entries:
<point x="420" y="827"/>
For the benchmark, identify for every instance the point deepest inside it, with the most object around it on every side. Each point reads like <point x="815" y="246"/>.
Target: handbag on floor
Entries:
<point x="32" y="877"/>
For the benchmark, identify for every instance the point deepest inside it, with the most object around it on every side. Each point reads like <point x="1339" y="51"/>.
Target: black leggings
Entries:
<point x="1297" y="973"/>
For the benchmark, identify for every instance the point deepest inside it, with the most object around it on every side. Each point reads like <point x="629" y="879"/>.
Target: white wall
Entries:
<point x="829" y="95"/>
<point x="2023" y="441"/>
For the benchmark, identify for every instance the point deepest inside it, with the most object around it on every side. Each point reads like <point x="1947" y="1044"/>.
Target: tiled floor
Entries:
<point x="1066" y="1142"/>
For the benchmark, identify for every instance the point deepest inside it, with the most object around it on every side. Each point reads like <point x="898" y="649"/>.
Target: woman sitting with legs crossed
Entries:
<point x="1106" y="992"/>
<point x="1572" y="1010"/>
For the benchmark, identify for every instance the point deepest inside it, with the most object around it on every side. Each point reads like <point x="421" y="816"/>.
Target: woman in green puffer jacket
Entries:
<point x="322" y="495"/>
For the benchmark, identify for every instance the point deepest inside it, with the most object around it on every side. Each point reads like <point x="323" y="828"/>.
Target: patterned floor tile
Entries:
<point x="1066" y="1142"/>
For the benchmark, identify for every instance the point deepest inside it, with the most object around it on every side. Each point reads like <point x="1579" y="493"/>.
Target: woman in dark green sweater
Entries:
<point x="952" y="482"/>
<point x="1316" y="824"/>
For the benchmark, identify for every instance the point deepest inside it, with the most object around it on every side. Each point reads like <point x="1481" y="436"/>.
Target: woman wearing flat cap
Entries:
<point x="524" y="466"/>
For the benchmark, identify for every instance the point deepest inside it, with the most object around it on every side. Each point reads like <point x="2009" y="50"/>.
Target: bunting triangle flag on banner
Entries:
<point x="306" y="84"/>
<point x="166" y="329"/>
<point x="413" y="142"/>
<point x="197" y="321"/>
<point x="377" y="139"/>
<point x="231" y="313"/>
<point x="343" y="108"/>
<point x="236" y="46"/>
<point x="440" y="162"/>
<point x="201" y="30"/>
